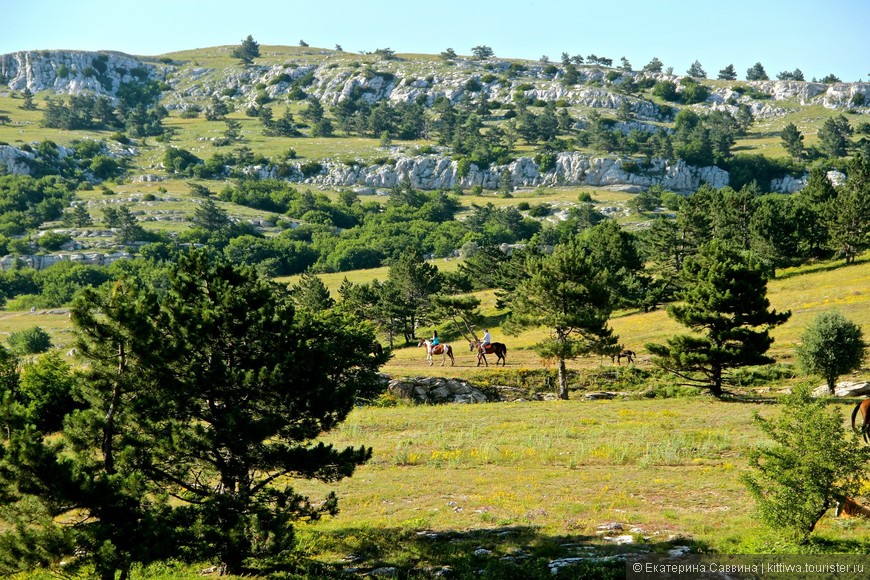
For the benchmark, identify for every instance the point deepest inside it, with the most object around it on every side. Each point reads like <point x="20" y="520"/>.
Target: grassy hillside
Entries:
<point x="550" y="476"/>
<point x="805" y="291"/>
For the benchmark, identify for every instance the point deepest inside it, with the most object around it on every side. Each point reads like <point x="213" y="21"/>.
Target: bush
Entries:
<point x="32" y="340"/>
<point x="811" y="465"/>
<point x="310" y="168"/>
<point x="52" y="241"/>
<point x="46" y="390"/>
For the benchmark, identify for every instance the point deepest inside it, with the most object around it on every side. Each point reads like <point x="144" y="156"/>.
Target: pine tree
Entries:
<point x="28" y="105"/>
<point x="566" y="292"/>
<point x="793" y="140"/>
<point x="212" y="390"/>
<point x="834" y="136"/>
<point x="311" y="294"/>
<point x="728" y="73"/>
<point x="81" y="216"/>
<point x="724" y="300"/>
<point x="210" y="217"/>
<point x="696" y="71"/>
<point x="413" y="280"/>
<point x="850" y="225"/>
<point x="756" y="73"/>
<point x="247" y="51"/>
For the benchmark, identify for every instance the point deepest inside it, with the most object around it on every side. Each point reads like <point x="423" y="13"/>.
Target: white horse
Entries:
<point x="444" y="350"/>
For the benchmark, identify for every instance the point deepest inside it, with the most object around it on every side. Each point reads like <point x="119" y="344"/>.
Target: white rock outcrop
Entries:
<point x="434" y="172"/>
<point x="72" y="71"/>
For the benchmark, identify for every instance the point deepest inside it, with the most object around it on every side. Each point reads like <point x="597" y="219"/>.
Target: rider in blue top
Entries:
<point x="435" y="341"/>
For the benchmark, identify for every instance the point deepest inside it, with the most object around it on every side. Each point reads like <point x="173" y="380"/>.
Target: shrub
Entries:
<point x="811" y="465"/>
<point x="473" y="85"/>
<point x="52" y="241"/>
<point x="831" y="346"/>
<point x="46" y="390"/>
<point x="32" y="340"/>
<point x="310" y="168"/>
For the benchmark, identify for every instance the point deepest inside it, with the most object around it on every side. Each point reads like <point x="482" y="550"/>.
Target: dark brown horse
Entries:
<point x="864" y="408"/>
<point x="444" y="350"/>
<point x="496" y="348"/>
<point x="625" y="353"/>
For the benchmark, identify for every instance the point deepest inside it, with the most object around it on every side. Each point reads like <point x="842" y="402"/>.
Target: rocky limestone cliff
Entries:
<point x="72" y="72"/>
<point x="40" y="262"/>
<point x="434" y="172"/>
<point x="334" y="80"/>
<point x="16" y="161"/>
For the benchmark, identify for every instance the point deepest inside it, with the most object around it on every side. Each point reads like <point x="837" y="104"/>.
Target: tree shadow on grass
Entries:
<point x="513" y="552"/>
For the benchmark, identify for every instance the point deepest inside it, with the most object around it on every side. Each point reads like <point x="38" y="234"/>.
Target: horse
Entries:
<point x="625" y="353"/>
<point x="444" y="350"/>
<point x="497" y="348"/>
<point x="847" y="507"/>
<point x="864" y="408"/>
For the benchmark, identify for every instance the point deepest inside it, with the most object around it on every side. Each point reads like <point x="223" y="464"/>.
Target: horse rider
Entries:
<point x="487" y="339"/>
<point x="434" y="342"/>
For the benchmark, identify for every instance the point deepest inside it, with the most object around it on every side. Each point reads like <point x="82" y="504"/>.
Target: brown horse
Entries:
<point x="496" y="348"/>
<point x="848" y="507"/>
<point x="444" y="350"/>
<point x="625" y="353"/>
<point x="864" y="408"/>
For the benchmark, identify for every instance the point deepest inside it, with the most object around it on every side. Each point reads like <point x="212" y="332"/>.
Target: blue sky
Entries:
<point x="819" y="37"/>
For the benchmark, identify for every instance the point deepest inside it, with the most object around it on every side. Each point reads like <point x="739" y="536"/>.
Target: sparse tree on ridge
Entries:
<point x="482" y="52"/>
<point x="449" y="54"/>
<point x="697" y="71"/>
<point x="728" y="73"/>
<point x="653" y="66"/>
<point x="796" y="75"/>
<point x="756" y="73"/>
<point x="248" y="51"/>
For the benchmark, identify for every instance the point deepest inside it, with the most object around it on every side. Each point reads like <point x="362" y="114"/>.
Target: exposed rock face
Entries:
<point x="432" y="390"/>
<point x="432" y="172"/>
<point x="16" y="161"/>
<point x="833" y="96"/>
<point x="845" y="389"/>
<point x="41" y="262"/>
<point x="72" y="72"/>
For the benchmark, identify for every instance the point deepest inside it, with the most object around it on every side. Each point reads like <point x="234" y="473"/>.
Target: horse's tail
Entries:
<point x="450" y="354"/>
<point x="855" y="414"/>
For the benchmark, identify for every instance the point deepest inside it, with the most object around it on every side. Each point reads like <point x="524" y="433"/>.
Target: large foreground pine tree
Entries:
<point x="204" y="399"/>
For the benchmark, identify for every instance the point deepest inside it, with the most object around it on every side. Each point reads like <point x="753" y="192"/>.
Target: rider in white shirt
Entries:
<point x="486" y="340"/>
